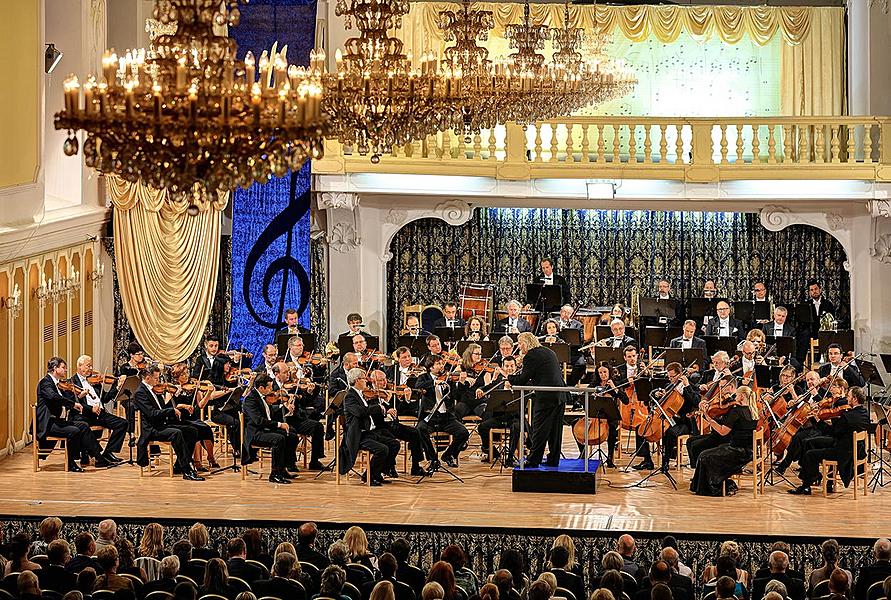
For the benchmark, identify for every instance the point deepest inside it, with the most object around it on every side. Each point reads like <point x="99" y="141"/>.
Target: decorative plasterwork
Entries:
<point x="775" y="217"/>
<point x="880" y="208"/>
<point x="454" y="212"/>
<point x="344" y="238"/>
<point x="334" y="200"/>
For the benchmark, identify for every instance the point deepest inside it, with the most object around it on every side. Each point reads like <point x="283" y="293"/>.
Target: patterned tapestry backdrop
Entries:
<point x="603" y="253"/>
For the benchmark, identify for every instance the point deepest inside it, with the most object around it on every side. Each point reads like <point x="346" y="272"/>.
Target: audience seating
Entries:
<point x="159" y="595"/>
<point x="151" y="566"/>
<point x="103" y="595"/>
<point x="239" y="584"/>
<point x="181" y="578"/>
<point x="875" y="591"/>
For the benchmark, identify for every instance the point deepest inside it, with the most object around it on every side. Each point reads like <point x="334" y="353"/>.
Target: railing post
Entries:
<point x="516" y="163"/>
<point x="702" y="168"/>
<point x="332" y="161"/>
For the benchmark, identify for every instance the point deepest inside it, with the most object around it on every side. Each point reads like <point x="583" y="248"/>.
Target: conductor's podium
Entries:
<point x="569" y="477"/>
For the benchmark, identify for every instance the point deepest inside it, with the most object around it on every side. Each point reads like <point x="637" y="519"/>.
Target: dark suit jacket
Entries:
<point x="794" y="587"/>
<point x="645" y="592"/>
<point x="540" y="367"/>
<point x="425" y="383"/>
<point x="522" y="325"/>
<point x="627" y="340"/>
<point x="570" y="581"/>
<point x="564" y="286"/>
<point x="358" y="422"/>
<point x="337" y="381"/>
<point x="155" y="417"/>
<point x="441" y="322"/>
<point x="255" y="422"/>
<point x="165" y="584"/>
<point x="79" y="562"/>
<point x="238" y="567"/>
<point x="870" y="574"/>
<point x="851" y="374"/>
<point x="210" y="370"/>
<point x="279" y="587"/>
<point x="106" y="396"/>
<point x="50" y="402"/>
<point x="698" y="342"/>
<point x="737" y="328"/>
<point x="403" y="590"/>
<point x="204" y="553"/>
<point x="56" y="578"/>
<point x="681" y="586"/>
<point x="412" y="576"/>
<point x="788" y="330"/>
<point x="825" y="307"/>
<point x="310" y="555"/>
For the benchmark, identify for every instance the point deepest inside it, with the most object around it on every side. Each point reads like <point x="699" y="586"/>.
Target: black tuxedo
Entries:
<point x="851" y="374"/>
<point x="825" y="307"/>
<point x="359" y="435"/>
<point x="626" y="340"/>
<point x="56" y="578"/>
<point x="503" y="324"/>
<point x="788" y="330"/>
<point x="161" y="423"/>
<point x="439" y="421"/>
<point x="697" y="342"/>
<point x="441" y="322"/>
<point x="210" y="370"/>
<point x="279" y="587"/>
<point x="737" y="328"/>
<point x="540" y="368"/>
<point x="300" y="423"/>
<point x="50" y="402"/>
<point x="262" y="429"/>
<point x="116" y="425"/>
<point x="837" y="446"/>
<point x="239" y="567"/>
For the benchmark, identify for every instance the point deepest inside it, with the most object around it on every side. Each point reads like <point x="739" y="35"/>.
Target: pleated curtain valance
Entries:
<point x="167" y="266"/>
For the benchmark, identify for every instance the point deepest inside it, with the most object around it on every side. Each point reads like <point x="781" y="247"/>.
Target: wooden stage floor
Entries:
<point x="484" y="500"/>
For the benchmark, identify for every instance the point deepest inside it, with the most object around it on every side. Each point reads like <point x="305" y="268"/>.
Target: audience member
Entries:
<point x="725" y="566"/>
<point x="73" y="595"/>
<point x="728" y="549"/>
<point x="830" y="551"/>
<point x="306" y="546"/>
<point x="671" y="558"/>
<point x="110" y="580"/>
<point x="779" y="546"/>
<point x="255" y="547"/>
<point x="566" y="579"/>
<point x="246" y="596"/>
<point x="237" y="565"/>
<point x="27" y="584"/>
<point x="464" y="577"/>
<point x="357" y="542"/>
<point x="602" y="594"/>
<point x="406" y="573"/>
<point x="489" y="591"/>
<point x="660" y="572"/>
<point x="199" y="538"/>
<point x="167" y="573"/>
<point x="839" y="586"/>
<point x="514" y="561"/>
<point x="383" y="590"/>
<point x="333" y="578"/>
<point x="549" y="578"/>
<point x="185" y="591"/>
<point x="573" y="565"/>
<point x="127" y="559"/>
<point x="879" y="570"/>
<point x="281" y="584"/>
<point x="432" y="591"/>
<point x="626" y="547"/>
<point x="661" y="591"/>
<point x="441" y="572"/>
<point x="504" y="581"/>
<point x="539" y="590"/>
<point x="182" y="550"/>
<point x="48" y="530"/>
<point x="54" y="576"/>
<point x="388" y="566"/>
<point x="339" y="554"/>
<point x="725" y="587"/>
<point x="86" y="580"/>
<point x="152" y="543"/>
<point x="669" y="541"/>
<point x="84" y="548"/>
<point x="216" y="579"/>
<point x="108" y="533"/>
<point x="779" y="565"/>
<point x="613" y="581"/>
<point x="18" y="550"/>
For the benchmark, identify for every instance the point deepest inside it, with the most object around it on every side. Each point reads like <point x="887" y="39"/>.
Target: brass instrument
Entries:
<point x="828" y="322"/>
<point x="331" y="350"/>
<point x="634" y="307"/>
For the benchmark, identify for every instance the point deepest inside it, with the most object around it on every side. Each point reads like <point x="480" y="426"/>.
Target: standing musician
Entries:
<point x="190" y="403"/>
<point x="94" y="413"/>
<point x="715" y="466"/>
<point x="548" y="277"/>
<point x="709" y="290"/>
<point x="663" y="289"/>
<point x="604" y="378"/>
<point x="511" y="419"/>
<point x="307" y="395"/>
<point x="684" y="424"/>
<point x="291" y="325"/>
<point x="697" y="444"/>
<point x="759" y="294"/>
<point x="467" y="401"/>
<point x="270" y="357"/>
<point x="405" y="373"/>
<point x="438" y="410"/>
<point x="836" y="367"/>
<point x="361" y="433"/>
<point x="163" y="423"/>
<point x="688" y="339"/>
<point x="626" y="374"/>
<point x="837" y="446"/>
<point x="52" y="397"/>
<point x="390" y="422"/>
<point x="540" y="368"/>
<point x="818" y="306"/>
<point x="724" y="325"/>
<point x="210" y="364"/>
<point x="779" y="327"/>
<point x="618" y="339"/>
<point x="450" y="317"/>
<point x="131" y="368"/>
<point x="261" y="429"/>
<point x="505" y="348"/>
<point x="354" y="322"/>
<point x="476" y="330"/>
<point x="300" y="423"/>
<point x="513" y="322"/>
<point x="812" y="393"/>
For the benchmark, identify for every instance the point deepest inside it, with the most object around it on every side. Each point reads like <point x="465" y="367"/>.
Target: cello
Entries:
<point x="672" y="401"/>
<point x="634" y="412"/>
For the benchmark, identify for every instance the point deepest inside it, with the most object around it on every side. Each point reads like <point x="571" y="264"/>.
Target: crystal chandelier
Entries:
<point x="189" y="114"/>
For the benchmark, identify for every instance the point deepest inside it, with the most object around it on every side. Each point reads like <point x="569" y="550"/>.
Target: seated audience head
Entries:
<point x="73" y="595"/>
<point x="550" y="579"/>
<point x="612" y="560"/>
<point x="216" y="577"/>
<point x="284" y="564"/>
<point x="539" y="590"/>
<point x="881" y="550"/>
<point x="432" y="591"/>
<point x="182" y="549"/>
<point x="387" y="565"/>
<point x="778" y="561"/>
<point x="86" y="580"/>
<point x="513" y="561"/>
<point x="566" y="542"/>
<point x="441" y="572"/>
<point x="886" y="587"/>
<point x="235" y="548"/>
<point x="670" y="556"/>
<point x="383" y="590"/>
<point x="725" y="587"/>
<point x="773" y="596"/>
<point x="356" y="541"/>
<point x="58" y="552"/>
<point x="775" y="585"/>
<point x="332" y="580"/>
<point x="108" y="558"/>
<point x="559" y="557"/>
<point x="660" y="591"/>
<point x="169" y="567"/>
<point x="725" y="565"/>
<point x="338" y="553"/>
<point x="198" y="536"/>
<point x="490" y="591"/>
<point x="84" y="543"/>
<point x="284" y="547"/>
<point x="184" y="591"/>
<point x="613" y="581"/>
<point x="660" y="571"/>
<point x="838" y="582"/>
<point x="27" y="584"/>
<point x="152" y="543"/>
<point x="830" y="551"/>
<point x="49" y="529"/>
<point x="400" y="548"/>
<point x="602" y="594"/>
<point x="108" y="530"/>
<point x="254" y="544"/>
<point x="504" y="581"/>
<point x="626" y="545"/>
<point x="244" y="596"/>
<point x="307" y="533"/>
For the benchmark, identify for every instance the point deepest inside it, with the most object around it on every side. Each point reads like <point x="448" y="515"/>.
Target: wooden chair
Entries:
<point x="682" y="445"/>
<point x="61" y="443"/>
<point x="159" y="595"/>
<point x="829" y="468"/>
<point x="171" y="459"/>
<point x="364" y="461"/>
<point x="185" y="578"/>
<point x="472" y="422"/>
<point x="501" y="432"/>
<point x="263" y="453"/>
<point x="758" y="466"/>
<point x="260" y="566"/>
<point x="876" y="590"/>
<point x="220" y="433"/>
<point x="151" y="566"/>
<point x="821" y="589"/>
<point x="239" y="584"/>
<point x="561" y="591"/>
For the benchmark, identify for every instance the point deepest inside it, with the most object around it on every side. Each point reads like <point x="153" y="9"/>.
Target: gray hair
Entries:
<point x="776" y="586"/>
<point x="169" y="566"/>
<point x="778" y="561"/>
<point x="354" y="375"/>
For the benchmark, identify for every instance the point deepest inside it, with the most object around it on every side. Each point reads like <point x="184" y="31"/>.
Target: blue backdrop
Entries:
<point x="271" y="222"/>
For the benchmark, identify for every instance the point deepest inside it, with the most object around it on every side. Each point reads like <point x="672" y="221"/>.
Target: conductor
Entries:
<point x="541" y="368"/>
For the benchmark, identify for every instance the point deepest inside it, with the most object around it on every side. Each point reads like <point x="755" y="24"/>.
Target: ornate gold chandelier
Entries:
<point x="189" y="113"/>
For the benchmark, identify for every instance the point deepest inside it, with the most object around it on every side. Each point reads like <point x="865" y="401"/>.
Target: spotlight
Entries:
<point x="51" y="58"/>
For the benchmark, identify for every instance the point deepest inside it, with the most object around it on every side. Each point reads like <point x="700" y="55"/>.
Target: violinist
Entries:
<point x="684" y="424"/>
<point x="93" y="402"/>
<point x="52" y="396"/>
<point x="748" y="360"/>
<point x="688" y="339"/>
<point x="505" y="348"/>
<point x="438" y="410"/>
<point x="716" y="465"/>
<point x="836" y="367"/>
<point x="307" y="395"/>
<point x="434" y="348"/>
<point x="813" y="394"/>
<point x="337" y="382"/>
<point x="466" y="400"/>
<point x="476" y="330"/>
<point x="450" y="317"/>
<point x="163" y="423"/>
<point x="626" y="374"/>
<point x="270" y="357"/>
<point x="604" y="378"/>
<point x="405" y="373"/>
<point x="292" y="412"/>
<point x="490" y="421"/>
<point x="261" y="429"/>
<point x="190" y="400"/>
<point x="135" y="362"/>
<point x="361" y="433"/>
<point x="368" y="359"/>
<point x="837" y="446"/>
<point x="210" y="364"/>
<point x="697" y="444"/>
<point x="290" y="325"/>
<point x="390" y="422"/>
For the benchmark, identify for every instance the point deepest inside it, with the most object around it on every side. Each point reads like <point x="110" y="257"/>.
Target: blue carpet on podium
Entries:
<point x="569" y="477"/>
<point x="569" y="465"/>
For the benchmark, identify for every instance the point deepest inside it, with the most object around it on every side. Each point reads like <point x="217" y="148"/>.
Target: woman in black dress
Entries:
<point x="190" y="404"/>
<point x="716" y="465"/>
<point x="603" y="378"/>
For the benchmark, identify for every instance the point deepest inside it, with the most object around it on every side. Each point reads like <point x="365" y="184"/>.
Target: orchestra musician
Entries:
<point x="720" y="366"/>
<point x="210" y="364"/>
<point x="709" y="290"/>
<point x="510" y="419"/>
<point x="696" y="444"/>
<point x="604" y="377"/>
<point x="567" y="322"/>
<point x="466" y="399"/>
<point x="136" y="360"/>
<point x="724" y="325"/>
<point x="548" y="277"/>
<point x="759" y="294"/>
<point x="779" y="327"/>
<point x="818" y="306"/>
<point x="190" y="403"/>
<point x="337" y="382"/>
<point x="513" y="322"/>
<point x="748" y="360"/>
<point x="836" y="367"/>
<point x="688" y="338"/>
<point x="93" y="402"/>
<point x="361" y="433"/>
<point x="163" y="423"/>
<point x="837" y="446"/>
<point x="505" y="348"/>
<point x="541" y="368"/>
<point x="405" y="373"/>
<point x="307" y="395"/>
<point x="550" y="332"/>
<point x="450" y="317"/>
<point x="684" y="424"/>
<point x="618" y="339"/>
<point x="261" y="429"/>
<point x="294" y="413"/>
<point x="476" y="330"/>
<point x="51" y="399"/>
<point x="434" y="348"/>
<point x="270" y="357"/>
<point x="354" y="322"/>
<point x="402" y="432"/>
<point x="626" y="373"/>
<point x="812" y="393"/>
<point x="616" y="313"/>
<point x="438" y="409"/>
<point x="715" y="466"/>
<point x="413" y="327"/>
<point x="663" y="289"/>
<point x="291" y="326"/>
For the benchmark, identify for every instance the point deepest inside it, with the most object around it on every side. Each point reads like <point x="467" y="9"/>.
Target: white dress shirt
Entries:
<point x="724" y="327"/>
<point x="92" y="396"/>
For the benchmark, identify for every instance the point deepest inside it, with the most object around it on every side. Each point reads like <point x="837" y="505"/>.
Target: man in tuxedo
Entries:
<point x="163" y="424"/>
<point x="450" y="317"/>
<point x="403" y="373"/>
<point x="434" y="348"/>
<point x="513" y="322"/>
<point x="575" y="357"/>
<point x="237" y="565"/>
<point x="299" y="423"/>
<point x="548" y="277"/>
<point x="354" y="322"/>
<point x="779" y="327"/>
<point x="310" y="396"/>
<point x="619" y="339"/>
<point x="260" y="429"/>
<point x="270" y="358"/>
<point x="413" y="326"/>
<point x="438" y="413"/>
<point x="813" y="392"/>
<point x="759" y="293"/>
<point x="54" y="576"/>
<point x="684" y="424"/>
<point x="836" y="367"/>
<point x="541" y="368"/>
<point x="94" y="413"/>
<point x="566" y="321"/>
<point x="724" y="325"/>
<point x="626" y="373"/>
<point x="291" y="326"/>
<point x="210" y="363"/>
<point x="50" y="402"/>
<point x="410" y="435"/>
<point x="361" y="433"/>
<point x="505" y="349"/>
<point x="688" y="339"/>
<point x="819" y="305"/>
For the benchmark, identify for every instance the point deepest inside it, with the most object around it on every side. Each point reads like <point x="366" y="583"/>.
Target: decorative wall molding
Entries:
<point x="881" y="249"/>
<point x="835" y="221"/>
<point x="344" y="238"/>
<point x="454" y="212"/>
<point x="334" y="200"/>
<point x="880" y="208"/>
<point x="396" y="216"/>
<point x="775" y="217"/>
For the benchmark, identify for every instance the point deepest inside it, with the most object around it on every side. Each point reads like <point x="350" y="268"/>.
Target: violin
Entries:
<point x="374" y="356"/>
<point x="163" y="388"/>
<point x="97" y="378"/>
<point x="234" y="374"/>
<point x="298" y="384"/>
<point x="452" y="376"/>
<point x="828" y="410"/>
<point x="375" y="394"/>
<point x="67" y="386"/>
<point x="451" y="359"/>
<point x="312" y="359"/>
<point x="484" y="366"/>
<point x="204" y="386"/>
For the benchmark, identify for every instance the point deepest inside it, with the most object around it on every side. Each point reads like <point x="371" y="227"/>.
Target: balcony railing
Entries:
<point x="679" y="148"/>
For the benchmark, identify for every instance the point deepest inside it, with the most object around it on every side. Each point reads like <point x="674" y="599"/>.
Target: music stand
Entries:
<point x="744" y="310"/>
<point x="345" y="343"/>
<point x="232" y="403"/>
<point x="844" y="338"/>
<point x="561" y="350"/>
<point x="785" y="345"/>
<point x="573" y="337"/>
<point x="803" y="314"/>
<point x="500" y="404"/>
<point x="704" y="307"/>
<point x="489" y="348"/>
<point x="713" y="343"/>
<point x="449" y="335"/>
<point x="767" y="376"/>
<point x="612" y="356"/>
<point x="599" y="407"/>
<point x="125" y="394"/>
<point x="683" y="356"/>
<point x="761" y="312"/>
<point x="886" y="362"/>
<point x="415" y="343"/>
<point x="309" y="342"/>
<point x="664" y="310"/>
<point x="543" y="297"/>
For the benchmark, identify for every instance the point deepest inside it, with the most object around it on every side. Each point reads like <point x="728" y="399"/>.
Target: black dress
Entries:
<point x="718" y="464"/>
<point x="202" y="429"/>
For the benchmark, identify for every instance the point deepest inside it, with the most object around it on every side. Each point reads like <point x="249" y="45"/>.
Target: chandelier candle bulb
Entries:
<point x="249" y="68"/>
<point x="128" y="98"/>
<point x="88" y="95"/>
<point x="181" y="73"/>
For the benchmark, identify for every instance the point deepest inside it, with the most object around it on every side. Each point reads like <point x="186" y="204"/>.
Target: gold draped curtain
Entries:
<point x="167" y="265"/>
<point x="812" y="76"/>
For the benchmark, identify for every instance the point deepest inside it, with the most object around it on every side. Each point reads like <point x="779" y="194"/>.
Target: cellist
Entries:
<point x="626" y="375"/>
<point x="603" y="378"/>
<point x="684" y="424"/>
<point x="812" y="393"/>
<point x="696" y="444"/>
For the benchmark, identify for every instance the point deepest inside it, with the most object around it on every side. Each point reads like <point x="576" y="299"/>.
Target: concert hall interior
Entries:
<point x="404" y="300"/>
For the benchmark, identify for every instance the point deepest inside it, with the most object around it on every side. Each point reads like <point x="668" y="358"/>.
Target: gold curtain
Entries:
<point x="812" y="77"/>
<point x="167" y="264"/>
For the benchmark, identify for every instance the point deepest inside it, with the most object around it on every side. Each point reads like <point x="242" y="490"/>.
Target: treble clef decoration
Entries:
<point x="286" y="264"/>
